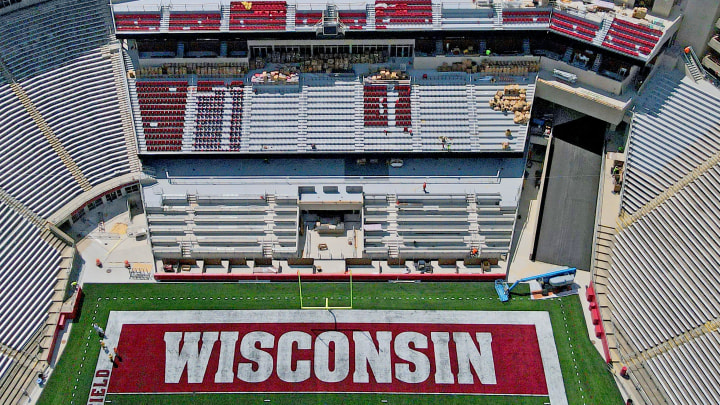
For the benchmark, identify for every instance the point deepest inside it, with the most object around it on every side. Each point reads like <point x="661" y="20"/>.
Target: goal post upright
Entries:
<point x="327" y="299"/>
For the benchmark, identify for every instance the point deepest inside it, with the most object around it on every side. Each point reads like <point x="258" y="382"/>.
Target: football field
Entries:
<point x="146" y="313"/>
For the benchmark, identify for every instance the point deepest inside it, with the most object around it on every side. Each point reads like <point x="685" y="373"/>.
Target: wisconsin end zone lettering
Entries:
<point x="372" y="359"/>
<point x="99" y="387"/>
<point x="330" y="357"/>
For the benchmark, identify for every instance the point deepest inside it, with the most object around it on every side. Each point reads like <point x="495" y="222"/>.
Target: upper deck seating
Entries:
<point x="402" y="13"/>
<point x="526" y="16"/>
<point x="354" y="20"/>
<point x="258" y="15"/>
<point x="574" y="26"/>
<point x="194" y="21"/>
<point x="137" y="21"/>
<point x="630" y="38"/>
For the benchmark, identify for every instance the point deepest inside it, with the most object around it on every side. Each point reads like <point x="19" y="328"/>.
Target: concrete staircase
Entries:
<point x="22" y="210"/>
<point x="604" y="28"/>
<point x="164" y="18"/>
<point x="567" y="57"/>
<point x="290" y="18"/>
<point x="190" y="120"/>
<point x="498" y="21"/>
<point x="359" y="118"/>
<point x="225" y="17"/>
<point x="247" y="113"/>
<point x="132" y="89"/>
<point x="415" y="118"/>
<point x="125" y="109"/>
<point x="437" y="16"/>
<point x="227" y="121"/>
<point x="392" y="241"/>
<point x="302" y="144"/>
<point x="370" y="21"/>
<point x="596" y="64"/>
<point x="472" y="118"/>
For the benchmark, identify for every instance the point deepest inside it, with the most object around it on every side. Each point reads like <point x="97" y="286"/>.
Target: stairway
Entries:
<point x="692" y="65"/>
<point x="164" y="18"/>
<point x="132" y="89"/>
<point x="247" y="113"/>
<point x="596" y="65"/>
<point x="415" y="117"/>
<point x="302" y="144"/>
<point x="22" y="210"/>
<point x="526" y="46"/>
<point x="567" y="57"/>
<point x="227" y="121"/>
<point x="290" y="18"/>
<point x="359" y="122"/>
<point x="392" y="241"/>
<point x="370" y="21"/>
<point x="498" y="23"/>
<point x="483" y="46"/>
<point x="472" y="118"/>
<point x="437" y="16"/>
<point x="602" y="33"/>
<point x="225" y="17"/>
<point x="126" y="116"/>
<point x="186" y="248"/>
<point x="190" y="119"/>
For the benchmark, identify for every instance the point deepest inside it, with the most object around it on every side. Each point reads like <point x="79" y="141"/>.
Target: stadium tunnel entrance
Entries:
<point x="330" y="222"/>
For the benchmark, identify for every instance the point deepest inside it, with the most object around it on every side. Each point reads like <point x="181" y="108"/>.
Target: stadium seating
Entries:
<point x="630" y="38"/>
<point x="331" y="116"/>
<point x="307" y="19"/>
<point x="490" y="125"/>
<point x="193" y="21"/>
<point x="395" y="13"/>
<point x="25" y="150"/>
<point x="526" y="16"/>
<point x="162" y="108"/>
<point x="674" y="128"/>
<point x="224" y="226"/>
<point x="387" y="117"/>
<point x="354" y="20"/>
<point x="60" y="65"/>
<point x="258" y="15"/>
<point x="137" y="21"/>
<point x="30" y="265"/>
<point x="574" y="26"/>
<point x="273" y="120"/>
<point x="209" y="119"/>
<point x="444" y="112"/>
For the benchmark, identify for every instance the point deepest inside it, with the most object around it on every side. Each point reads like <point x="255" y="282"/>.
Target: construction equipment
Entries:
<point x="555" y="278"/>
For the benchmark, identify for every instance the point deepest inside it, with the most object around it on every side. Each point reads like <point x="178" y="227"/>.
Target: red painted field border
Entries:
<point x="603" y="336"/>
<point x="327" y="277"/>
<point x="63" y="318"/>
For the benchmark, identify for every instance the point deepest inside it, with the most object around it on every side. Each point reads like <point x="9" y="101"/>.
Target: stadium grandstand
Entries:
<point x="392" y="139"/>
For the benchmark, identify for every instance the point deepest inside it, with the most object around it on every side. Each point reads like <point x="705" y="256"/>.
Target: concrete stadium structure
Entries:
<point x="165" y="105"/>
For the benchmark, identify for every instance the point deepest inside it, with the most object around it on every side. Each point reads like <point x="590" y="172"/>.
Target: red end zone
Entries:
<point x="306" y="351"/>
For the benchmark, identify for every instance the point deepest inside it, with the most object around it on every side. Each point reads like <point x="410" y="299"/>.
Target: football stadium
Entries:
<point x="356" y="202"/>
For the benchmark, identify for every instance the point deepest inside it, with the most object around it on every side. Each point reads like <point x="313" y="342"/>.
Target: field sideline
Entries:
<point x="587" y="380"/>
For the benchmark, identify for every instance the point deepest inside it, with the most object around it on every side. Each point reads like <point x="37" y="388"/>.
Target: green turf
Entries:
<point x="590" y="383"/>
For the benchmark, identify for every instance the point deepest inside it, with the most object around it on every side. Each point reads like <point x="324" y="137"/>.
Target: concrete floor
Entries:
<point x="112" y="245"/>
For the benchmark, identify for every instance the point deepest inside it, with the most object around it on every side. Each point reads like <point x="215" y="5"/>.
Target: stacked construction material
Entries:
<point x="512" y="98"/>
